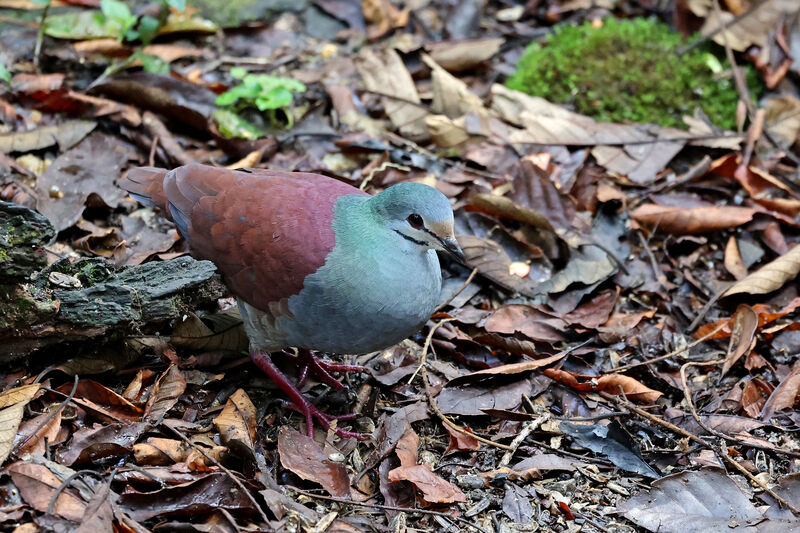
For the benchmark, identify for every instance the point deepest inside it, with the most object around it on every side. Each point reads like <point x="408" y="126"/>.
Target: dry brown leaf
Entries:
<point x="169" y="387"/>
<point x="385" y="73"/>
<point x="66" y="135"/>
<point x="771" y="276"/>
<point x="531" y="322"/>
<point x="37" y="485"/>
<point x="434" y="489"/>
<point x="27" y="442"/>
<point x="303" y="456"/>
<point x="506" y="208"/>
<point x="456" y="56"/>
<point x="743" y="336"/>
<point x="460" y="442"/>
<point x="406" y="448"/>
<point x="784" y="396"/>
<point x="237" y="421"/>
<point x="10" y="418"/>
<point x="506" y="370"/>
<point x="610" y="383"/>
<point x="765" y="316"/>
<point x="746" y="31"/>
<point x="451" y="96"/>
<point x="692" y="220"/>
<point x="22" y="394"/>
<point x="733" y="260"/>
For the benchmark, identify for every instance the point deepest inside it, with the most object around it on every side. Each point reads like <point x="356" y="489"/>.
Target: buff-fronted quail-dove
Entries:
<point x="314" y="263"/>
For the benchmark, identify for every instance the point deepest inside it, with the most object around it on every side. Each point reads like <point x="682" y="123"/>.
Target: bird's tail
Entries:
<point x="146" y="185"/>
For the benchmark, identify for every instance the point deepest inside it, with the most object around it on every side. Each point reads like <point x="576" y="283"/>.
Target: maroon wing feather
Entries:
<point x="266" y="230"/>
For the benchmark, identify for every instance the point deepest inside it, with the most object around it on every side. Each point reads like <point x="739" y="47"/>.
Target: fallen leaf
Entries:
<point x="65" y="135"/>
<point x="733" y="260"/>
<point x="765" y="316"/>
<point x="784" y="396"/>
<point x="458" y="56"/>
<point x="237" y="423"/>
<point x="37" y="485"/>
<point x="303" y="456"/>
<point x="745" y="325"/>
<point x="531" y="322"/>
<point x="704" y="500"/>
<point x="769" y="277"/>
<point x="610" y="383"/>
<point x="612" y="442"/>
<point x="10" y="419"/>
<point x="692" y="220"/>
<point x="165" y="394"/>
<point x="206" y="495"/>
<point x="434" y="489"/>
<point x="406" y="448"/>
<point x="460" y="442"/>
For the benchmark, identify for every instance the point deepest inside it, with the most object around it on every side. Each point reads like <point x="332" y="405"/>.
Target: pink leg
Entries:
<point x="299" y="402"/>
<point x="310" y="363"/>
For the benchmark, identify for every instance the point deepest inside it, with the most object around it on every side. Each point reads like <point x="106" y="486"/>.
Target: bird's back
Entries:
<point x="266" y="230"/>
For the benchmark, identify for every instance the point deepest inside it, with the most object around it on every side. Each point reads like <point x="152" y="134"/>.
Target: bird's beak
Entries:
<point x="451" y="247"/>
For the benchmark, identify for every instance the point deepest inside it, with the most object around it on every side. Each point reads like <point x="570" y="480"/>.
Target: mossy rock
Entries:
<point x="628" y="71"/>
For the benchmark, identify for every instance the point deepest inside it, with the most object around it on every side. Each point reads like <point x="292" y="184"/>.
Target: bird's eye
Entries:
<point x="415" y="220"/>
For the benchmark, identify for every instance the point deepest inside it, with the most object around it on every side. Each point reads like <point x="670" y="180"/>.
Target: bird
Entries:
<point x="315" y="264"/>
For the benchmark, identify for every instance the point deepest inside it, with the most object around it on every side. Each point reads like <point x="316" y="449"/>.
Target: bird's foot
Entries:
<point x="301" y="404"/>
<point x="311" y="364"/>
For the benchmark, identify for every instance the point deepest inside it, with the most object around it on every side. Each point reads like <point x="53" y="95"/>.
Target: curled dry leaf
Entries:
<point x="434" y="489"/>
<point x="169" y="387"/>
<point x="743" y="336"/>
<point x="237" y="422"/>
<point x="692" y="220"/>
<point x="10" y="418"/>
<point x="611" y="383"/>
<point x="771" y="276"/>
<point x="784" y="396"/>
<point x="733" y="260"/>
<point x="765" y="316"/>
<point x="506" y="208"/>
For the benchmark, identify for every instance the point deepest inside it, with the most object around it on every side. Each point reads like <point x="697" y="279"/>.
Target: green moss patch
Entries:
<point x="628" y="71"/>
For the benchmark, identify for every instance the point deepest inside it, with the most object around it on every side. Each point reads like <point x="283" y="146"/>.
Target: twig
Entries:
<point x="670" y="354"/>
<point x="52" y="414"/>
<point x="424" y="357"/>
<point x="704" y="311"/>
<point x="527" y="429"/>
<point x="723" y="451"/>
<point x="216" y="463"/>
<point x="37" y="49"/>
<point x="386" y="507"/>
<point x="460" y="289"/>
<point x="66" y="483"/>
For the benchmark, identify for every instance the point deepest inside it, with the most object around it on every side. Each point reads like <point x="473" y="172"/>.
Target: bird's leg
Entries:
<point x="322" y="369"/>
<point x="299" y="402"/>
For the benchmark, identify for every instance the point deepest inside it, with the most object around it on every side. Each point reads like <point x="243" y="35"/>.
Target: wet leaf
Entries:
<point x="91" y="444"/>
<point x="37" y="485"/>
<point x="612" y="442"/>
<point x="202" y="496"/>
<point x="303" y="456"/>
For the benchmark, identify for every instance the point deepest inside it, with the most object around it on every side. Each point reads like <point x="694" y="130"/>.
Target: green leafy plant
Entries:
<point x="270" y="94"/>
<point x="627" y="70"/>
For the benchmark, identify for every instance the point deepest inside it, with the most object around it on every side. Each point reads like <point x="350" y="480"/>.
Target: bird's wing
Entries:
<point x="266" y="230"/>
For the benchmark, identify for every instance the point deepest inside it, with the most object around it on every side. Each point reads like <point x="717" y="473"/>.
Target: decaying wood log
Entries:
<point x="88" y="298"/>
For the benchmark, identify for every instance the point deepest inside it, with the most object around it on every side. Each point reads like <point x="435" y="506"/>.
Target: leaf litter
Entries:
<point x="625" y="323"/>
